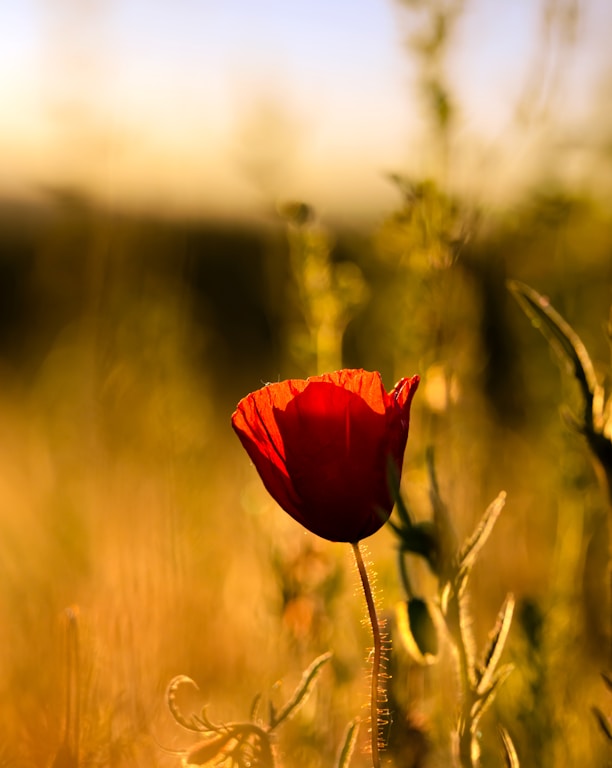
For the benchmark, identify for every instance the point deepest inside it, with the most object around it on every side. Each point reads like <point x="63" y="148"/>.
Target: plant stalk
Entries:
<point x="377" y="654"/>
<point x="459" y="629"/>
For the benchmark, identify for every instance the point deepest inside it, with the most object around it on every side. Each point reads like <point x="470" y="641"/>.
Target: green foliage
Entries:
<point x="597" y="418"/>
<point x="328" y="293"/>
<point x="480" y="679"/>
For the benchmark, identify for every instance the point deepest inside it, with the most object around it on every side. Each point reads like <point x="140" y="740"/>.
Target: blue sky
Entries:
<point x="163" y="102"/>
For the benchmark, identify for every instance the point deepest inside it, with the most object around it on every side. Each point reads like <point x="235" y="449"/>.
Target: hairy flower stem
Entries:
<point x="377" y="655"/>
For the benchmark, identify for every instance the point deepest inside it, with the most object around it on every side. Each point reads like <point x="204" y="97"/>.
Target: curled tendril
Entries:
<point x="194" y="723"/>
<point x="238" y="745"/>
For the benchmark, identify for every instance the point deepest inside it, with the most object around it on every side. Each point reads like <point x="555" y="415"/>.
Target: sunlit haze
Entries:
<point x="222" y="108"/>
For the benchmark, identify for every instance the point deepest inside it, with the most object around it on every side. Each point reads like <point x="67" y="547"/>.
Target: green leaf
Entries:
<point x="496" y="644"/>
<point x="471" y="548"/>
<point x="302" y="691"/>
<point x="254" y="713"/>
<point x="510" y="754"/>
<point x="564" y="340"/>
<point x="488" y="696"/>
<point x="348" y="745"/>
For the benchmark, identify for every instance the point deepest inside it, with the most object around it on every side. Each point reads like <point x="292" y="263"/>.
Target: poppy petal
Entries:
<point x="321" y="446"/>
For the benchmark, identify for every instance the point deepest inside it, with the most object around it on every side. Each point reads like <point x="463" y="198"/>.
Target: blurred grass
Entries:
<point x="125" y="343"/>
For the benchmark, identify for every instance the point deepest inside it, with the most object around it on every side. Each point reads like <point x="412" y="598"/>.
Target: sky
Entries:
<point x="223" y="108"/>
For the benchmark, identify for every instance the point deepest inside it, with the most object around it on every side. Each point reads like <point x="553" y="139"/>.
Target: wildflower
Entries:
<point x="322" y="447"/>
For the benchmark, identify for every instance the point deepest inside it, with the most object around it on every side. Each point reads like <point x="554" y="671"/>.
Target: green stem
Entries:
<point x="376" y="658"/>
<point x="403" y="570"/>
<point x="459" y="630"/>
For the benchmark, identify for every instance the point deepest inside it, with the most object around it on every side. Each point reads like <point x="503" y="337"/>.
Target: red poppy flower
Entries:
<point x="322" y="447"/>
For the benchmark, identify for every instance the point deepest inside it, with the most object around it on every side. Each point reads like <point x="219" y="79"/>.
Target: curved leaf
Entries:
<point x="564" y="340"/>
<point x="348" y="745"/>
<point x="496" y="644"/>
<point x="510" y="754"/>
<point x="471" y="548"/>
<point x="302" y="691"/>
